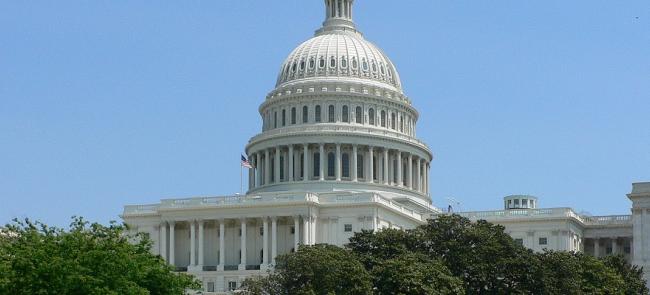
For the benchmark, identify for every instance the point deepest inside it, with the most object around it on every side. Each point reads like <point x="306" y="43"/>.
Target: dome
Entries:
<point x="339" y="51"/>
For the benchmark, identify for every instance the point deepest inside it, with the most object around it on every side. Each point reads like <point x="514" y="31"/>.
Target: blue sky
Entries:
<point x="107" y="103"/>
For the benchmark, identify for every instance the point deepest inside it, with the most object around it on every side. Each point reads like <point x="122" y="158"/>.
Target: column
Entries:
<point x="291" y="162"/>
<point x="321" y="172"/>
<point x="172" y="242"/>
<point x="418" y="171"/>
<point x="353" y="167"/>
<point x="385" y="170"/>
<point x="596" y="247"/>
<point x="274" y="239"/>
<point x="614" y="246"/>
<point x="265" y="238"/>
<point x="222" y="244"/>
<point x="427" y="174"/>
<point x="312" y="230"/>
<point x="305" y="148"/>
<point x="296" y="232"/>
<point x="371" y="176"/>
<point x="251" y="173"/>
<point x="338" y="162"/>
<point x="305" y="230"/>
<point x="276" y="175"/>
<point x="242" y="261"/>
<point x="400" y="181"/>
<point x="409" y="176"/>
<point x="201" y="238"/>
<point x="267" y="167"/>
<point x="192" y="244"/>
<point x="163" y="240"/>
<point x="258" y="169"/>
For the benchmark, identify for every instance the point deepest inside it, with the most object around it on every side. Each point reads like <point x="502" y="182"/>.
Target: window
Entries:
<point x="317" y="114"/>
<point x="344" y="62"/>
<point x="232" y="286"/>
<point x="210" y="286"/>
<point x="345" y="158"/>
<point x="392" y="121"/>
<point x="516" y="203"/>
<point x="293" y="230"/>
<point x="524" y="203"/>
<point x="262" y="256"/>
<point x="312" y="63"/>
<point x="281" y="168"/>
<point x="316" y="162"/>
<point x="240" y="232"/>
<point x="347" y="228"/>
<point x="543" y="241"/>
<point x="358" y="113"/>
<point x="383" y="71"/>
<point x="302" y="165"/>
<point x="330" y="164"/>
<point x="302" y="65"/>
<point x="293" y="115"/>
<point x="354" y="63"/>
<point x="371" y="117"/>
<point x="330" y="114"/>
<point x="332" y="62"/>
<point x="383" y="118"/>
<point x="364" y="65"/>
<point x="360" y="166"/>
<point x="321" y="62"/>
<point x="519" y="242"/>
<point x="275" y="120"/>
<point x="401" y="124"/>
<point x="261" y="230"/>
<point x="374" y="66"/>
<point x="305" y="114"/>
<point x="284" y="117"/>
<point x="293" y="67"/>
<point x="346" y="115"/>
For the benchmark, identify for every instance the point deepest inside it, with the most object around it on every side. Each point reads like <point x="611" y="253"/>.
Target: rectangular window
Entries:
<point x="543" y="241"/>
<point x="232" y="286"/>
<point x="347" y="228"/>
<point x="210" y="286"/>
<point x="240" y="232"/>
<point x="524" y="203"/>
<point x="293" y="230"/>
<point x="261" y="231"/>
<point x="519" y="241"/>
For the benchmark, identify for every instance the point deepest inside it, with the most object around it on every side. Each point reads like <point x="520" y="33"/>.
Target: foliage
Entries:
<point x="86" y="259"/>
<point x="448" y="255"/>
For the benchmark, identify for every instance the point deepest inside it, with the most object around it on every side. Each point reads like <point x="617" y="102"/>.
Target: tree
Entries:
<point x="318" y="270"/>
<point x="414" y="274"/>
<point x="631" y="274"/>
<point x="86" y="259"/>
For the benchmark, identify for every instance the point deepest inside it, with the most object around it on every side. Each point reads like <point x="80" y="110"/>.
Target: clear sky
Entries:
<point x="106" y="103"/>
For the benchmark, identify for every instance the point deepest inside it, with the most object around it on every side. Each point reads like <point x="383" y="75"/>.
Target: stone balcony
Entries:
<point x="549" y="214"/>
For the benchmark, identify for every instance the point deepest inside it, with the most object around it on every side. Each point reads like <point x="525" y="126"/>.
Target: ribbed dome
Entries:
<point x="339" y="51"/>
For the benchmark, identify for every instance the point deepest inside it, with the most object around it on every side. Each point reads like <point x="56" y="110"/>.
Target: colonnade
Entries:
<point x="611" y="246"/>
<point x="197" y="236"/>
<point x="339" y="162"/>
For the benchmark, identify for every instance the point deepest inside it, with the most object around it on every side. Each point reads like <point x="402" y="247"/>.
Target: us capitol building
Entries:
<point x="337" y="154"/>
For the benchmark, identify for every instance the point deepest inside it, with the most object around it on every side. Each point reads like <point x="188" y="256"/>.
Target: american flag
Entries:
<point x="245" y="162"/>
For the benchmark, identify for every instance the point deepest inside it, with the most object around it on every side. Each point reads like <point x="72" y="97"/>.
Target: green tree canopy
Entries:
<point x="86" y="259"/>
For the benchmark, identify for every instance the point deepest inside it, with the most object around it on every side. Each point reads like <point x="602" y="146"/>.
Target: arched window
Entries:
<point x="383" y="118"/>
<point x="305" y="114"/>
<point x="293" y="67"/>
<point x="383" y="70"/>
<point x="321" y="62"/>
<point x="401" y="123"/>
<point x="281" y="168"/>
<point x="293" y="115"/>
<point x="354" y="63"/>
<point x="360" y="165"/>
<point x="275" y="120"/>
<point x="332" y="62"/>
<point x="345" y="159"/>
<point x="330" y="115"/>
<point x="345" y="115"/>
<point x="312" y="63"/>
<point x="344" y="62"/>
<point x="374" y="168"/>
<point x="302" y="65"/>
<point x="371" y="117"/>
<point x="358" y="113"/>
<point x="317" y="114"/>
<point x="284" y="117"/>
<point x="392" y="121"/>
<point x="330" y="164"/>
<point x="364" y="65"/>
<point x="374" y="66"/>
<point x="302" y="166"/>
<point x="316" y="162"/>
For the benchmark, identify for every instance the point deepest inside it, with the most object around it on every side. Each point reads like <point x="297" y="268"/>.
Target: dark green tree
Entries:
<point x="86" y="259"/>
<point x="631" y="274"/>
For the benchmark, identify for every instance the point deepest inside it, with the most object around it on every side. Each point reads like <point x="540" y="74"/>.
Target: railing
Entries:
<point x="209" y="268"/>
<point x="333" y="127"/>
<point x="548" y="213"/>
<point x="253" y="267"/>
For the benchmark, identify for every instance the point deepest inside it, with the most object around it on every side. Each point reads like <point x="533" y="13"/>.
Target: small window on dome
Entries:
<point x="354" y="63"/>
<point x="312" y="63"/>
<point x="332" y="62"/>
<point x="382" y="69"/>
<point x="364" y="64"/>
<point x="293" y="68"/>
<point x="390" y="72"/>
<point x="344" y="62"/>
<point x="302" y="65"/>
<point x="321" y="62"/>
<point x="374" y="66"/>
